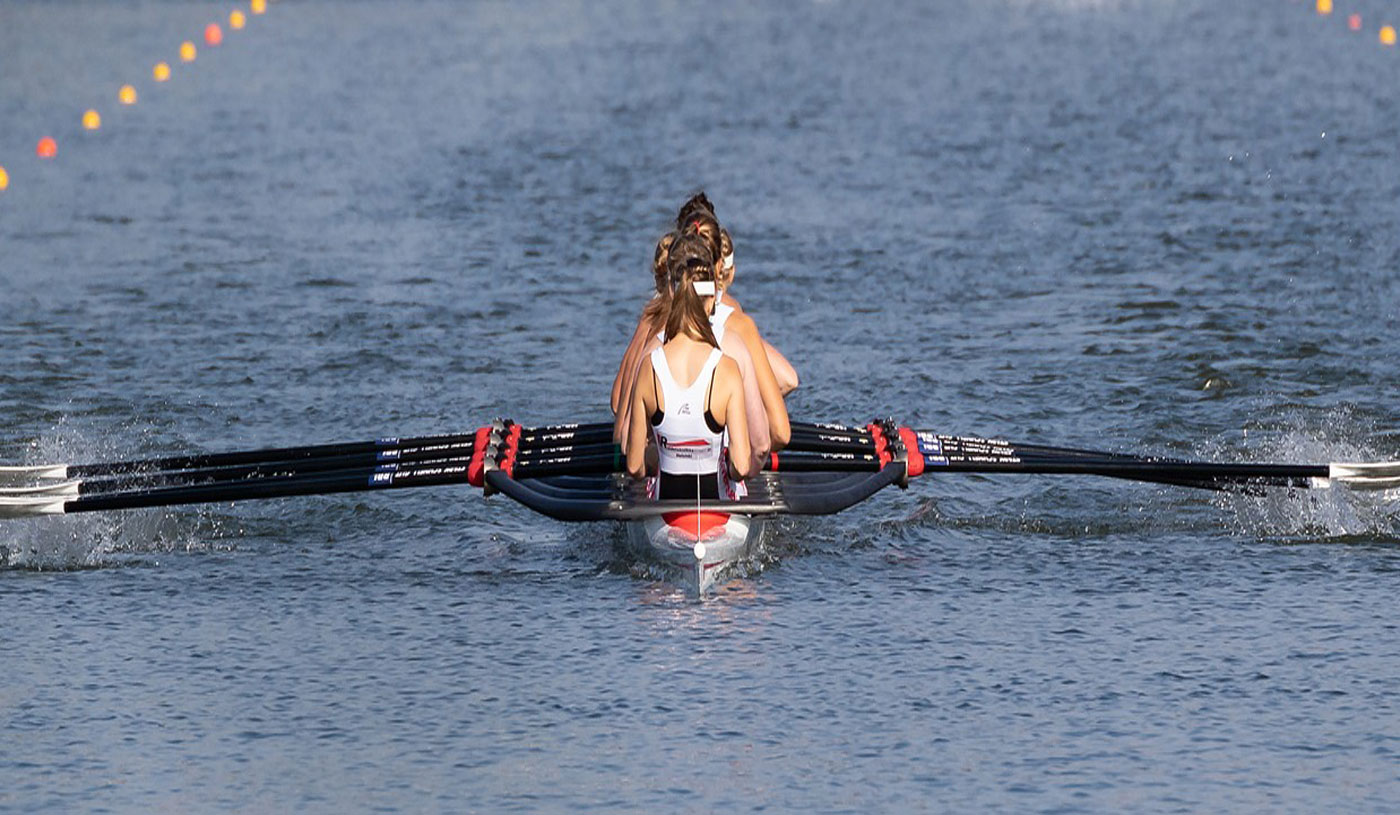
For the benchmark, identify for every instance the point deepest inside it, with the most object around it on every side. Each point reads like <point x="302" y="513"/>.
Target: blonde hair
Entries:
<point x="654" y="314"/>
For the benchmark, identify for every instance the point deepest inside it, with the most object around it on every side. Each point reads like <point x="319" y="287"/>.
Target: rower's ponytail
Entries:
<point x="702" y="223"/>
<point x="689" y="261"/>
<point x="696" y="204"/>
<point x="726" y="254"/>
<point x="654" y="315"/>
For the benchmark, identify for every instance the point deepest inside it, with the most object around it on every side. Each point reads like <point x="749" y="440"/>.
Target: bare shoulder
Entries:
<point x="728" y="367"/>
<point x="643" y="381"/>
<point x="743" y="323"/>
<point x="642" y="327"/>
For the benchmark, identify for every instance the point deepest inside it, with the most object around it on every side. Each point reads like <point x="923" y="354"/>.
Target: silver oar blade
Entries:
<point x="37" y="472"/>
<point x="57" y="489"/>
<point x="30" y="507"/>
<point x="1381" y="475"/>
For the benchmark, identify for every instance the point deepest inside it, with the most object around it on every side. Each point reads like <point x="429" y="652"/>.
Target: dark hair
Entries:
<point x="689" y="260"/>
<point x="704" y="225"/>
<point x="698" y="215"/>
<point x="695" y="204"/>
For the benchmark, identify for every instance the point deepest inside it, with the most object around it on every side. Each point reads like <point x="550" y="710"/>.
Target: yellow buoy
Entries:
<point x="1388" y="35"/>
<point x="236" y="20"/>
<point x="127" y="95"/>
<point x="4" y="178"/>
<point x="187" y="52"/>
<point x="92" y="120"/>
<point x="258" y="6"/>
<point x="1324" y="6"/>
<point x="161" y="72"/>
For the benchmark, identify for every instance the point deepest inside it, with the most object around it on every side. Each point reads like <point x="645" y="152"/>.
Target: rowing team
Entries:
<point x="697" y="377"/>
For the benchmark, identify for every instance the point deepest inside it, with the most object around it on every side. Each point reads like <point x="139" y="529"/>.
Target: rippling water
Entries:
<point x="1155" y="226"/>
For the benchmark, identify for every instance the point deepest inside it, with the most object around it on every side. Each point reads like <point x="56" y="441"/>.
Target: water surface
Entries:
<point x="1165" y="227"/>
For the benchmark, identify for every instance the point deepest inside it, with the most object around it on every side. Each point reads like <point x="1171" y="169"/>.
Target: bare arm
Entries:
<point x="636" y="443"/>
<point x="627" y="367"/>
<point x="779" y="430"/>
<point x="741" y="464"/>
<point x="629" y="383"/>
<point x="782" y="369"/>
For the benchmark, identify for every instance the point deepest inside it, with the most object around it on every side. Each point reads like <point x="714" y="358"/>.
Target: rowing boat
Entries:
<point x="697" y="550"/>
<point x="573" y="473"/>
<point x="694" y="548"/>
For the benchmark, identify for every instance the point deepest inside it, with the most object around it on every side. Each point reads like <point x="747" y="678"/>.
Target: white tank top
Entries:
<point x="753" y="400"/>
<point x="685" y="445"/>
<point x="718" y="319"/>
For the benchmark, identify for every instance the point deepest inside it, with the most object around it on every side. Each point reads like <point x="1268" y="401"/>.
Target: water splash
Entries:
<point x="1338" y="434"/>
<point x="101" y="539"/>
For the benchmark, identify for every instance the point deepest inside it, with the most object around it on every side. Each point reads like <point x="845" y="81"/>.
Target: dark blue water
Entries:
<point x="1166" y="227"/>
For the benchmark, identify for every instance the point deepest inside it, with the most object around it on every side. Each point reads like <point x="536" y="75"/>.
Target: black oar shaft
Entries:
<point x="554" y="434"/>
<point x="1144" y="469"/>
<point x="273" y="469"/>
<point x="452" y="471"/>
<point x="243" y="457"/>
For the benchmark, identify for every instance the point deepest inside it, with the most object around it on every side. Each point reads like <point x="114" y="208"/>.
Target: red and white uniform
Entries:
<point x="759" y="439"/>
<point x="687" y="444"/>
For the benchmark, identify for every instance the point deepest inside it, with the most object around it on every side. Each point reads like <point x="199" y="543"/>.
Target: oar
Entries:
<point x="367" y="462"/>
<point x="969" y="454"/>
<point x="200" y="475"/>
<point x="379" y="448"/>
<point x="133" y="492"/>
<point x="394" y="476"/>
<point x="979" y="455"/>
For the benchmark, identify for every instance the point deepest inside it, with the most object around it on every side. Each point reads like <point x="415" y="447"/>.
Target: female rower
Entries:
<point x="649" y="326"/>
<point x="765" y="411"/>
<point x="690" y="422"/>
<point x="698" y="213"/>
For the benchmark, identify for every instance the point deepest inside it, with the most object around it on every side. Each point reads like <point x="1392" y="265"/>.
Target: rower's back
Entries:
<point x="687" y="425"/>
<point x="689" y="396"/>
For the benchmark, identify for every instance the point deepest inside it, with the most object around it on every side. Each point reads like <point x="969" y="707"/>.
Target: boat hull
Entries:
<point x="670" y="541"/>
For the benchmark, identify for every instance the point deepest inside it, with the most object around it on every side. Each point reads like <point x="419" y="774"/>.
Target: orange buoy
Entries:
<point x="236" y="19"/>
<point x="47" y="148"/>
<point x="258" y="6"/>
<point x="92" y="120"/>
<point x="213" y="34"/>
<point x="187" y="51"/>
<point x="127" y="95"/>
<point x="4" y="179"/>
<point x="1388" y="35"/>
<point x="161" y="72"/>
<point x="1354" y="22"/>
